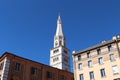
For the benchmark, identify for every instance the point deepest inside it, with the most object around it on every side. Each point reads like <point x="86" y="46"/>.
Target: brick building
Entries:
<point x="13" y="67"/>
<point x="99" y="62"/>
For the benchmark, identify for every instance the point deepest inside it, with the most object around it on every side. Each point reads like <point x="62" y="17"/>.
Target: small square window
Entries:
<point x="33" y="71"/>
<point x="62" y="77"/>
<point x="49" y="74"/>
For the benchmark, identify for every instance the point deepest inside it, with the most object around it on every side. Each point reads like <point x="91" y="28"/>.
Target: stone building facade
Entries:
<point x="100" y="62"/>
<point x="13" y="67"/>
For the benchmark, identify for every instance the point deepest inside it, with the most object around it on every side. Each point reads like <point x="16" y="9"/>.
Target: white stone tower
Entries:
<point x="59" y="55"/>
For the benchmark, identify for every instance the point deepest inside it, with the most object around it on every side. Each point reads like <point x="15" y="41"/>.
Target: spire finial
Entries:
<point x="59" y="15"/>
<point x="59" y="19"/>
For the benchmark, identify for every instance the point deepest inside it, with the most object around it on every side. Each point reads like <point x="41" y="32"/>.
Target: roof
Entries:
<point x="95" y="47"/>
<point x="59" y="31"/>
<point x="8" y="53"/>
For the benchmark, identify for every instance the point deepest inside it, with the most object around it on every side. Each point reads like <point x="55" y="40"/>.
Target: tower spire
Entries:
<point x="59" y="31"/>
<point x="57" y="57"/>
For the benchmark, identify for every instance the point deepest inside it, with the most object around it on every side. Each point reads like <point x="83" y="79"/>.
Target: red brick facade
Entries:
<point x="25" y="69"/>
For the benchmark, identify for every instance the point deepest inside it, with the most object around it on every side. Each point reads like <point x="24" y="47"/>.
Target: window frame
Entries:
<point x="88" y="55"/>
<point x="81" y="76"/>
<point x="62" y="77"/>
<point x="100" y="60"/>
<point x="49" y="75"/>
<point x="91" y="75"/>
<point x="115" y="69"/>
<point x="109" y="48"/>
<point x="99" y="51"/>
<point x="112" y="57"/>
<point x="80" y="66"/>
<point x="103" y="73"/>
<point x="90" y="63"/>
<point x="17" y="66"/>
<point x="79" y="57"/>
<point x="33" y="71"/>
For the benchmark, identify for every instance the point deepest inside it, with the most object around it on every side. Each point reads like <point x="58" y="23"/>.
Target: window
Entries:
<point x="109" y="48"/>
<point x="66" y="59"/>
<point x="112" y="58"/>
<point x="65" y="51"/>
<point x="102" y="71"/>
<point x="117" y="79"/>
<point x="81" y="77"/>
<point x="99" y="51"/>
<point x="11" y="79"/>
<point x="100" y="60"/>
<point x="55" y="59"/>
<point x="1" y="65"/>
<point x="72" y="79"/>
<point x="33" y="71"/>
<point x="17" y="66"/>
<point x="80" y="66"/>
<point x="49" y="74"/>
<point x="91" y="75"/>
<point x="55" y="51"/>
<point x="90" y="63"/>
<point x="115" y="70"/>
<point x="79" y="57"/>
<point x="33" y="78"/>
<point x="88" y="55"/>
<point x="62" y="77"/>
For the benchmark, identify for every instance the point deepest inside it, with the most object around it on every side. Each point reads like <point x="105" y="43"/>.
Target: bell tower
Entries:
<point x="59" y="55"/>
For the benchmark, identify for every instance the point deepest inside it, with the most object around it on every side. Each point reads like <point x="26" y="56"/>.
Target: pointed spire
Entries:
<point x="59" y="20"/>
<point x="59" y="31"/>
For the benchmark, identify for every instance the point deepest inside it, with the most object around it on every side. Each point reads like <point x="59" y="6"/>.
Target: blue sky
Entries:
<point x="27" y="27"/>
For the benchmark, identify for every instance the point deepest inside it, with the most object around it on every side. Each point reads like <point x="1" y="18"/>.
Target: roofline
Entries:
<point x="8" y="53"/>
<point x="95" y="47"/>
